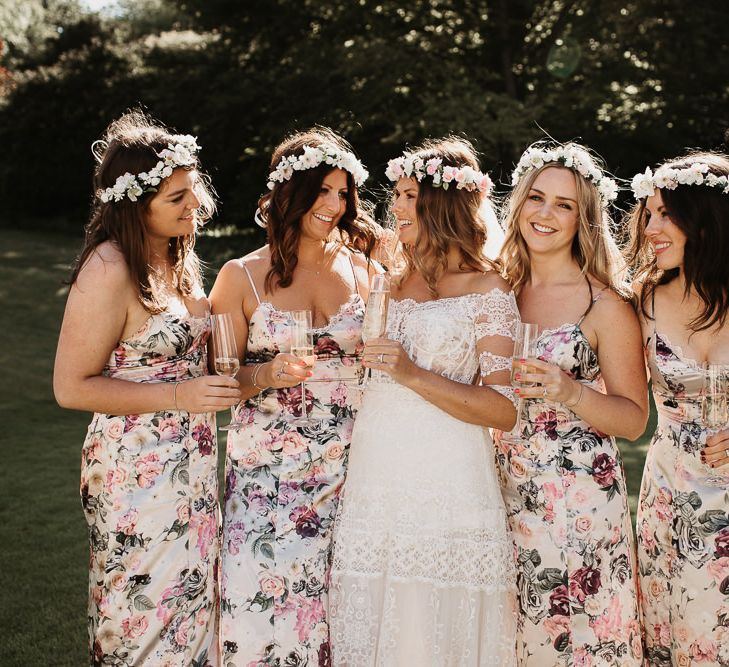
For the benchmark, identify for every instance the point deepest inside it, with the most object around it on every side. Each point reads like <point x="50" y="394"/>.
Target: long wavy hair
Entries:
<point x="702" y="214"/>
<point x="594" y="248"/>
<point x="447" y="218"/>
<point x="130" y="144"/>
<point x="282" y="208"/>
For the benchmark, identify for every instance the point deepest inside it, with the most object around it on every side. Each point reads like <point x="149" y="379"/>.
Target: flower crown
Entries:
<point x="311" y="158"/>
<point x="180" y="154"/>
<point x="645" y="184"/>
<point x="572" y="157"/>
<point x="412" y="166"/>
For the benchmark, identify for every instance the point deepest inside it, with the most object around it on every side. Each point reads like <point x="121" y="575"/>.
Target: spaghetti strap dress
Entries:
<point x="149" y="489"/>
<point x="683" y="522"/>
<point x="282" y="487"/>
<point x="564" y="488"/>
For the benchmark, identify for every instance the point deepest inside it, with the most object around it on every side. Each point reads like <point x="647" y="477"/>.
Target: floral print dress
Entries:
<point x="682" y="524"/>
<point x="565" y="495"/>
<point x="150" y="494"/>
<point x="281" y="494"/>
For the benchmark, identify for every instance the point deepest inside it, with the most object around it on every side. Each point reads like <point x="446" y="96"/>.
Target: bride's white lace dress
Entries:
<point x="423" y="571"/>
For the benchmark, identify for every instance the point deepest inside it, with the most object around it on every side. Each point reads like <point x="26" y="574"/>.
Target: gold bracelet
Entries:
<point x="254" y="376"/>
<point x="579" y="398"/>
<point x="174" y="396"/>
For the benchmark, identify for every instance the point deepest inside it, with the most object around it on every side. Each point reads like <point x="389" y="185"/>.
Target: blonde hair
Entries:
<point x="447" y="218"/>
<point x="594" y="248"/>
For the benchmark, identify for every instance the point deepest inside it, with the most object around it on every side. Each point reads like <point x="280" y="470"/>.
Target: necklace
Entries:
<point x="322" y="263"/>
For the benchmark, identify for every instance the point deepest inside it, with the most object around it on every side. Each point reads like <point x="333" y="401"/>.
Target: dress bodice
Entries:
<point x="567" y="347"/>
<point x="677" y="381"/>
<point x="337" y="344"/>
<point x="169" y="346"/>
<point x="441" y="335"/>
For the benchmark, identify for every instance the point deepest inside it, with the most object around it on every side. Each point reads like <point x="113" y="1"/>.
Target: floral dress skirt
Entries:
<point x="282" y="487"/>
<point x="149" y="488"/>
<point x="564" y="489"/>
<point x="682" y="525"/>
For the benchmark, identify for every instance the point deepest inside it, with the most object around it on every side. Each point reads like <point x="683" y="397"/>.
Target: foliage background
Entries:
<point x="637" y="80"/>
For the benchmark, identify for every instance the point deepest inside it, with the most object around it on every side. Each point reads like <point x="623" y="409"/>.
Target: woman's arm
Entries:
<point x="623" y="410"/>
<point x="93" y="323"/>
<point x="232" y="293"/>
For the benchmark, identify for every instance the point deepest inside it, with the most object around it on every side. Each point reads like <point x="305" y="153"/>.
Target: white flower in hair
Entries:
<point x="413" y="166"/>
<point x="311" y="158"/>
<point x="570" y="156"/>
<point x="133" y="186"/>
<point x="669" y="178"/>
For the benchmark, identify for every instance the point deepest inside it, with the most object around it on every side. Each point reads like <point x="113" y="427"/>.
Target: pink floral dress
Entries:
<point x="150" y="494"/>
<point x="281" y="494"/>
<point x="682" y="524"/>
<point x="564" y="489"/>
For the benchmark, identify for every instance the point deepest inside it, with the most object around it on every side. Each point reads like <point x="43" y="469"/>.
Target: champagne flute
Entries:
<point x="525" y="346"/>
<point x="302" y="346"/>
<point x="714" y="413"/>
<point x="225" y="355"/>
<point x="375" y="318"/>
<point x="392" y="238"/>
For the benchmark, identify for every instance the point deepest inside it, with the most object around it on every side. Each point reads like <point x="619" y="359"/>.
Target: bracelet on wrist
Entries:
<point x="254" y="377"/>
<point x="174" y="396"/>
<point x="579" y="397"/>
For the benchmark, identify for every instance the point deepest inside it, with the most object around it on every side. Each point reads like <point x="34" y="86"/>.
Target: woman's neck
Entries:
<point x="547" y="270"/>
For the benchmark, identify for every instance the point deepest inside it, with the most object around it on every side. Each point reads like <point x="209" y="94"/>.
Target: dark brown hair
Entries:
<point x="702" y="214"/>
<point x="282" y="208"/>
<point x="130" y="145"/>
<point x="447" y="218"/>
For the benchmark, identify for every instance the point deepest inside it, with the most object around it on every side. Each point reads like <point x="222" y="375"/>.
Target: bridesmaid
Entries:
<point x="562" y="476"/>
<point x="680" y="249"/>
<point x="283" y="480"/>
<point x="132" y="349"/>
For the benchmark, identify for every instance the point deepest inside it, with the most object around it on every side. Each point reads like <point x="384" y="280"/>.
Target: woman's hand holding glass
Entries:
<point x="283" y="371"/>
<point x="547" y="381"/>
<point x="207" y="393"/>
<point x="714" y="416"/>
<point x="384" y="354"/>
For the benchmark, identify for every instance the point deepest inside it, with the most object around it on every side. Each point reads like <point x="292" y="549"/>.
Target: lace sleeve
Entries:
<point x="495" y="323"/>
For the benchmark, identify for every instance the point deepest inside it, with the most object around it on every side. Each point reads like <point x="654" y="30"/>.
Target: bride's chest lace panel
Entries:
<point x="442" y="335"/>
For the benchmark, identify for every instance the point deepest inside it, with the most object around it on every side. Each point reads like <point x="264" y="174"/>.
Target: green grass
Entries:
<point x="43" y="548"/>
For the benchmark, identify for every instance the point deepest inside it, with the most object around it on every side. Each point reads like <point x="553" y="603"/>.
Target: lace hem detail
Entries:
<point x="491" y="363"/>
<point x="473" y="559"/>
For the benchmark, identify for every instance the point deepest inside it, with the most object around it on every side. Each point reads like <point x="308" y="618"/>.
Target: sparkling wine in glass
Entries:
<point x="302" y="346"/>
<point x="378" y="303"/>
<point x="714" y="413"/>
<point x="225" y="355"/>
<point x="525" y="346"/>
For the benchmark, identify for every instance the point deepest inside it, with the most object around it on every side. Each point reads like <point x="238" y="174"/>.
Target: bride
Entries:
<point x="422" y="568"/>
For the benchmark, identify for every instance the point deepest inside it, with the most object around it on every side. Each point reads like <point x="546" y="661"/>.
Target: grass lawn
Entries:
<point x="43" y="548"/>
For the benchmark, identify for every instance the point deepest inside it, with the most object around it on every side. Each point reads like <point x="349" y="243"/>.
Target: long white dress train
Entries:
<point x="423" y="569"/>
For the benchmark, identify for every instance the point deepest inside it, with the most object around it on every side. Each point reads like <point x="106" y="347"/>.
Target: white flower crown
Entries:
<point x="312" y="157"/>
<point x="412" y="166"/>
<point x="572" y="157"/>
<point x="645" y="184"/>
<point x="180" y="154"/>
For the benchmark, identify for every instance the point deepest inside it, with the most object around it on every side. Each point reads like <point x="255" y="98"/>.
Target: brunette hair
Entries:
<point x="593" y="248"/>
<point x="447" y="217"/>
<point x="131" y="144"/>
<point x="702" y="214"/>
<point x="282" y="208"/>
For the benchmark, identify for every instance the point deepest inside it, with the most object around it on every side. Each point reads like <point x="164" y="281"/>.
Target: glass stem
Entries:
<point x="303" y="401"/>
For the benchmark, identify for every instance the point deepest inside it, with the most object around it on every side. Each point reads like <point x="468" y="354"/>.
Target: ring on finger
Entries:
<point x="726" y="453"/>
<point x="544" y="391"/>
<point x="382" y="357"/>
